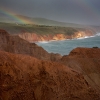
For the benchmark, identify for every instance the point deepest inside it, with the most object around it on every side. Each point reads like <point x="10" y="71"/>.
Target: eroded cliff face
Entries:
<point x="87" y="62"/>
<point x="81" y="34"/>
<point x="33" y="37"/>
<point x="26" y="78"/>
<point x="15" y="44"/>
<point x="23" y="77"/>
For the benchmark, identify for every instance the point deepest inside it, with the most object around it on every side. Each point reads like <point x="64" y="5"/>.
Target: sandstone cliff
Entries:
<point x="87" y="62"/>
<point x="33" y="37"/>
<point x="15" y="44"/>
<point x="33" y="33"/>
<point x="26" y="78"/>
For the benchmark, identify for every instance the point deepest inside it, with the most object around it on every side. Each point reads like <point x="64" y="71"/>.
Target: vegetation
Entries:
<point x="15" y="28"/>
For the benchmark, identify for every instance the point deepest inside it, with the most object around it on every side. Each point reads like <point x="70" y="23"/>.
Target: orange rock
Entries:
<point x="33" y="37"/>
<point x="87" y="62"/>
<point x="85" y="52"/>
<point x="15" y="44"/>
<point x="26" y="78"/>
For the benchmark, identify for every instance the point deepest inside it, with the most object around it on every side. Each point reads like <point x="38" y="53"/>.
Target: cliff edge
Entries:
<point x="15" y="44"/>
<point x="28" y="72"/>
<point x="87" y="62"/>
<point x="27" y="78"/>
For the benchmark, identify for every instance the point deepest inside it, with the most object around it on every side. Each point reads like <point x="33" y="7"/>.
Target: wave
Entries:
<point x="83" y="37"/>
<point x="43" y="41"/>
<point x="86" y="37"/>
<point x="50" y="41"/>
<point x="98" y="34"/>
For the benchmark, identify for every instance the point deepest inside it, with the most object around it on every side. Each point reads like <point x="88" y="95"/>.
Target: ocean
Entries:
<point x="64" y="47"/>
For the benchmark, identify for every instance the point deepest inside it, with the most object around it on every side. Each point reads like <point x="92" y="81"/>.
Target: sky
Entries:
<point x="71" y="11"/>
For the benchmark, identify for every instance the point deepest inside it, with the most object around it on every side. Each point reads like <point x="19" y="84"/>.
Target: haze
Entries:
<point x="71" y="11"/>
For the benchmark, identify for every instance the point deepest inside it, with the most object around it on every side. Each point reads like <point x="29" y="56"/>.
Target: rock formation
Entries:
<point x="87" y="62"/>
<point x="23" y="77"/>
<point x="33" y="37"/>
<point x="33" y="33"/>
<point x="14" y="44"/>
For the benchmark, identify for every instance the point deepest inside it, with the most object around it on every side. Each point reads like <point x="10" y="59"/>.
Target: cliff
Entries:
<point x="27" y="73"/>
<point x="87" y="62"/>
<point x="26" y="78"/>
<point x="14" y="44"/>
<point x="33" y="37"/>
<point x="33" y="33"/>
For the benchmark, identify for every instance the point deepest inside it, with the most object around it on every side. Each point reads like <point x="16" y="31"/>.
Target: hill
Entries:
<point x="33" y="33"/>
<point x="28" y="72"/>
<point x="15" y="44"/>
<point x="27" y="78"/>
<point x="36" y="21"/>
<point x="87" y="62"/>
<point x="41" y="29"/>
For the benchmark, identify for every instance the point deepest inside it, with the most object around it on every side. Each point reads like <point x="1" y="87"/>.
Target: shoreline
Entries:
<point x="65" y="39"/>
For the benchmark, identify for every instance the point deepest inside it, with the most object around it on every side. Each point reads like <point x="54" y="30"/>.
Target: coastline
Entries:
<point x="64" y="39"/>
<point x="64" y="47"/>
<point x="29" y="72"/>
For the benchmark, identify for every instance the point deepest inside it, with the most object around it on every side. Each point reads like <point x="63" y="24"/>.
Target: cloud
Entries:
<point x="73" y="11"/>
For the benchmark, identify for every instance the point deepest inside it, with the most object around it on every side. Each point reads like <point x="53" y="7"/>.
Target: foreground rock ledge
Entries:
<point x="27" y="78"/>
<point x="15" y="44"/>
<point x="87" y="62"/>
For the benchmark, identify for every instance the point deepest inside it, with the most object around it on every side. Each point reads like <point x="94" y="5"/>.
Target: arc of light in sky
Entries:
<point x="17" y="18"/>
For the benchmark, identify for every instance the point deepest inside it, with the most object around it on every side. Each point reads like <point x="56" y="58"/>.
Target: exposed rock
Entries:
<point x="81" y="34"/>
<point x="23" y="77"/>
<point x="26" y="78"/>
<point x="85" y="52"/>
<point x="32" y="37"/>
<point x="15" y="44"/>
<point x="87" y="62"/>
<point x="95" y="47"/>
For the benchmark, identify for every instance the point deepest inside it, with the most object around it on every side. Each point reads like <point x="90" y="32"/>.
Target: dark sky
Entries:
<point x="73" y="11"/>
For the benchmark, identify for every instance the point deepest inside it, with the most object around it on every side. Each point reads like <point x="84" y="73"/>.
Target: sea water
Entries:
<point x="64" y="47"/>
